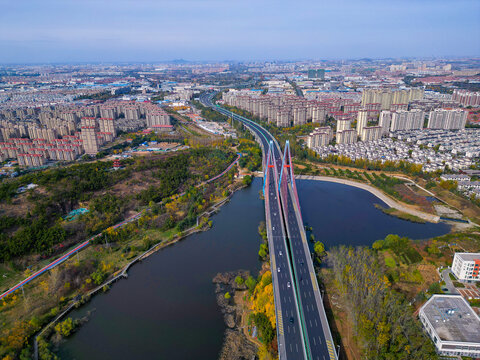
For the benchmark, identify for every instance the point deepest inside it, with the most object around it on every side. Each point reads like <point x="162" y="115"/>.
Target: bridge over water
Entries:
<point x="303" y="331"/>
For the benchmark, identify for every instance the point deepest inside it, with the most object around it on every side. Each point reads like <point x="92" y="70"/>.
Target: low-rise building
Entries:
<point x="466" y="267"/>
<point x="452" y="324"/>
<point x="455" y="177"/>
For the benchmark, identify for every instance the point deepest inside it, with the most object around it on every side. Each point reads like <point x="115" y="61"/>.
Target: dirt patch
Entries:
<point x="20" y="205"/>
<point x="429" y="273"/>
<point x="465" y="206"/>
<point x="408" y="195"/>
<point x="443" y="210"/>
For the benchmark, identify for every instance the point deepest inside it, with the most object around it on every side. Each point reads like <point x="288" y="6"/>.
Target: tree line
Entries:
<point x="382" y="318"/>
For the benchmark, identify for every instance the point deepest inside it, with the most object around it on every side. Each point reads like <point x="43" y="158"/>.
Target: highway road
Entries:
<point x="316" y="335"/>
<point x="289" y="334"/>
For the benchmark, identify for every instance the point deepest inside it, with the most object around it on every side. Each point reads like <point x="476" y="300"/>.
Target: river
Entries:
<point x="167" y="308"/>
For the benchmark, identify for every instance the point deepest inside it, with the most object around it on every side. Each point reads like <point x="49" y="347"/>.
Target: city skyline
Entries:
<point x="147" y="31"/>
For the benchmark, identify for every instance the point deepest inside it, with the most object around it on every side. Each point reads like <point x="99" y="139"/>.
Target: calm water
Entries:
<point x="341" y="214"/>
<point x="167" y="308"/>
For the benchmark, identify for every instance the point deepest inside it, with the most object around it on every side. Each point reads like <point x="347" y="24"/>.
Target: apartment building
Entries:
<point x="346" y="136"/>
<point x="385" y="121"/>
<point x="466" y="98"/>
<point x="321" y="136"/>
<point x="371" y="133"/>
<point x="387" y="97"/>
<point x="89" y="136"/>
<point x="362" y="121"/>
<point x="344" y="124"/>
<point x="447" y="119"/>
<point x="407" y="120"/>
<point x="283" y="110"/>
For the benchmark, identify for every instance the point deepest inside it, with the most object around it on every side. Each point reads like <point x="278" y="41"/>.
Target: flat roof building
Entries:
<point x="452" y="325"/>
<point x="466" y="266"/>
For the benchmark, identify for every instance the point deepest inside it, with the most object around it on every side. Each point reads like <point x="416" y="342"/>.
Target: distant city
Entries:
<point x="407" y="131"/>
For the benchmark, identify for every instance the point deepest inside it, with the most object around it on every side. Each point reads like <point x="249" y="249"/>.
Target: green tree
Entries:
<point x="65" y="327"/>
<point x="263" y="252"/>
<point x="378" y="245"/>
<point x="98" y="277"/>
<point x="247" y="180"/>
<point x="250" y="282"/>
<point x="262" y="230"/>
<point x="239" y="280"/>
<point x="435" y="288"/>
<point x="319" y="249"/>
<point x="265" y="329"/>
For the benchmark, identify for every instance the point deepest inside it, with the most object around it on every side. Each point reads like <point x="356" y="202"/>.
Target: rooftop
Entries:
<point x="469" y="257"/>
<point x="452" y="318"/>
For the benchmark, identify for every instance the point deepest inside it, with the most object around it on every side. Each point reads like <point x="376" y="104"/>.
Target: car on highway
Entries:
<point x="288" y="284"/>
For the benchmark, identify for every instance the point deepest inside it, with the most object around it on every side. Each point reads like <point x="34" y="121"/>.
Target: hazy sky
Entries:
<point x="155" y="30"/>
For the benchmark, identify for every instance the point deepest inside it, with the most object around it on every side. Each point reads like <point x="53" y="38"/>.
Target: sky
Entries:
<point x="33" y="31"/>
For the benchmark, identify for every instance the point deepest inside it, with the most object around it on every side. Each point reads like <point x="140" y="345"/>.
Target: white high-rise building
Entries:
<point x="362" y="121"/>
<point x="447" y="119"/>
<point x="387" y="97"/>
<point x="407" y="120"/>
<point x="319" y="137"/>
<point x="89" y="136"/>
<point x="346" y="136"/>
<point x="371" y="133"/>
<point x="343" y="124"/>
<point x="385" y="120"/>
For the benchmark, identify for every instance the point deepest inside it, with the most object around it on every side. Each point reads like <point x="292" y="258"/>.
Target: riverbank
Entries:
<point x="232" y="298"/>
<point x="76" y="274"/>
<point x="387" y="200"/>
<point x="401" y="215"/>
<point x="123" y="273"/>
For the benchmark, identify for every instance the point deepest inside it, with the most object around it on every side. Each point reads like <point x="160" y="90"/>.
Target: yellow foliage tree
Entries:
<point x="262" y="298"/>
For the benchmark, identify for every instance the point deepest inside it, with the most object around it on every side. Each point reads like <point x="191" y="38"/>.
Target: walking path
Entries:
<point x="87" y="242"/>
<point x="448" y="282"/>
<point x="123" y="273"/>
<point x="387" y="200"/>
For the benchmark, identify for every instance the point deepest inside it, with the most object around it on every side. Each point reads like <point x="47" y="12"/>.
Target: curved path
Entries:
<point x="387" y="200"/>
<point x="87" y="242"/>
